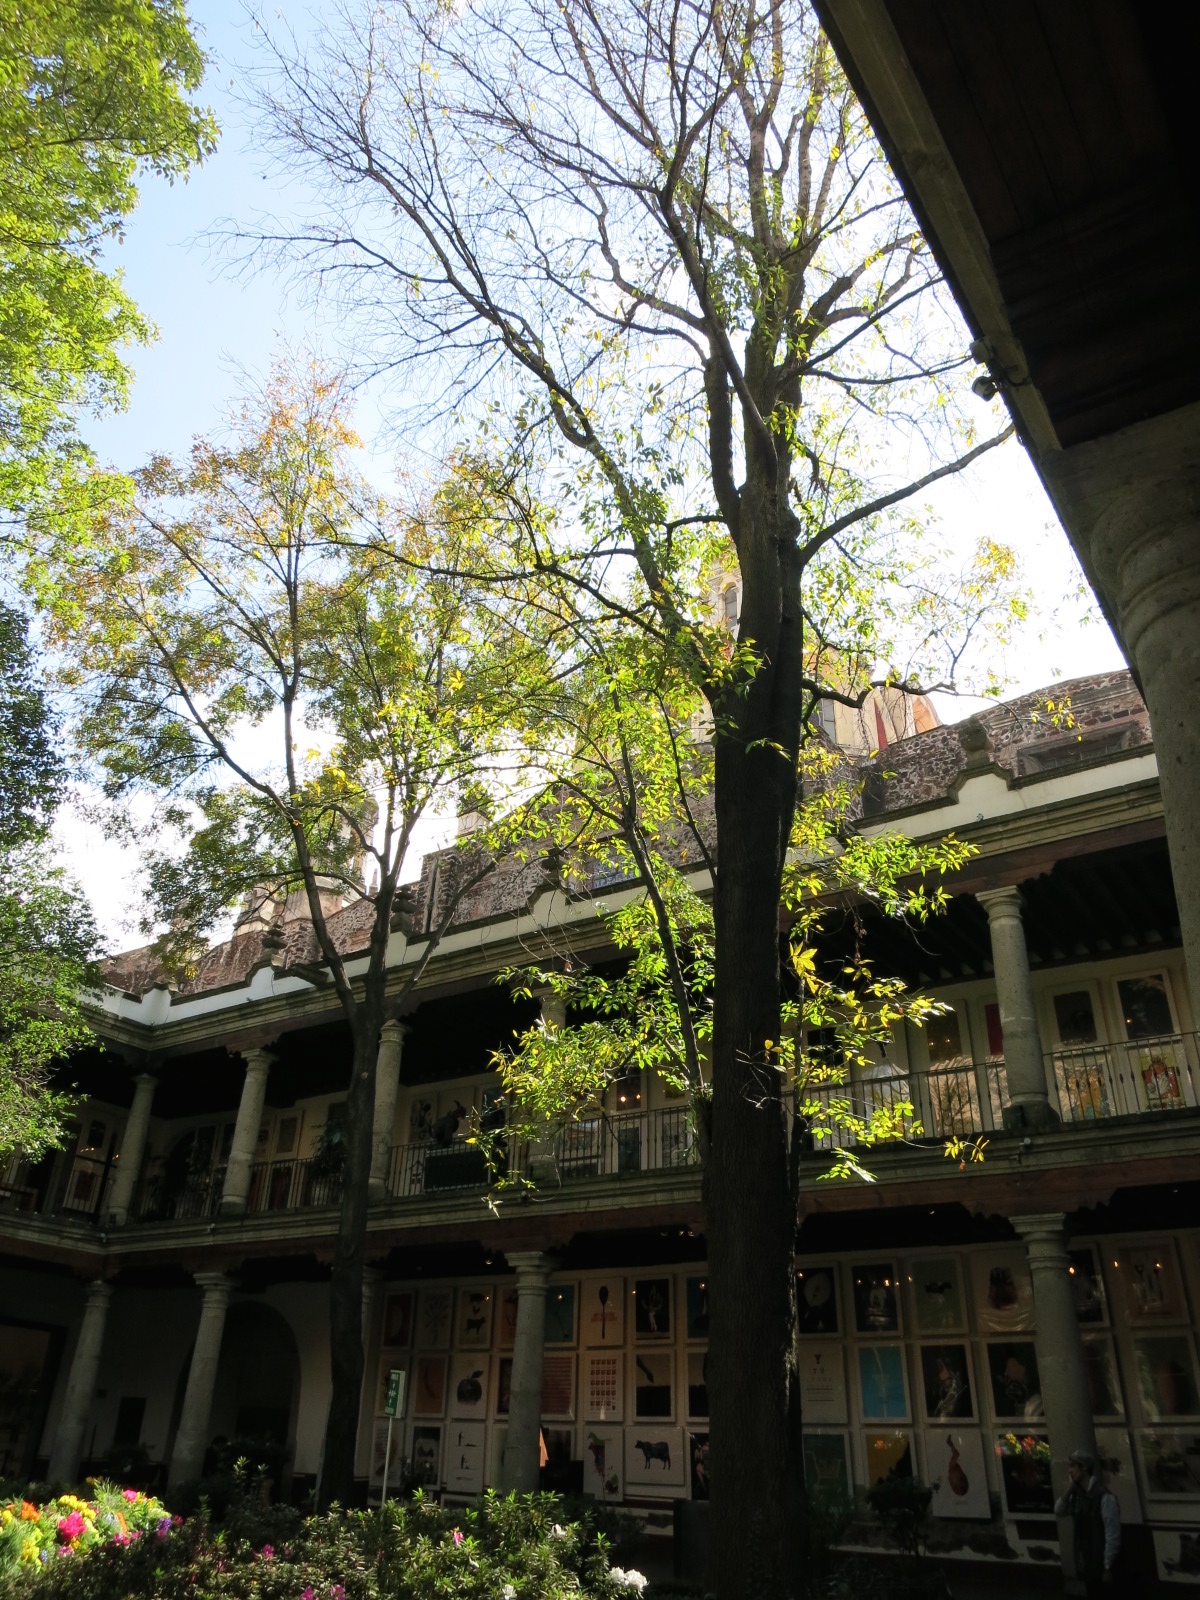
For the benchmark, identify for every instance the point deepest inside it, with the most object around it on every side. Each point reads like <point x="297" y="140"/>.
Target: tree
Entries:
<point x="653" y="243"/>
<point x="296" y="700"/>
<point x="92" y="93"/>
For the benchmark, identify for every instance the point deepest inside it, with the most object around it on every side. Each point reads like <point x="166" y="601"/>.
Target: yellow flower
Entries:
<point x="29" y="1550"/>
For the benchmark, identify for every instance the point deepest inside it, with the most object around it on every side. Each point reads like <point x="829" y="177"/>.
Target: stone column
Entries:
<point x="1028" y="1103"/>
<point x="133" y="1149"/>
<point x="187" y="1458"/>
<point x="1065" y="1395"/>
<point x="81" y="1386"/>
<point x="372" y="1281"/>
<point x="245" y="1133"/>
<point x="521" y="1450"/>
<point x="387" y="1081"/>
<point x="1131" y="505"/>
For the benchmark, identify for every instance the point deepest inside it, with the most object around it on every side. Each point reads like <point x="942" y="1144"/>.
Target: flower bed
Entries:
<point x="33" y="1536"/>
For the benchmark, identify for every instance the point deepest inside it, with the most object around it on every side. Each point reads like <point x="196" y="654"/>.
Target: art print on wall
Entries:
<point x="1016" y="1386"/>
<point x="506" y="1317"/>
<point x="698" y="1462"/>
<point x="655" y="1458"/>
<point x="816" y="1300"/>
<point x="473" y="1327"/>
<point x="937" y="1294"/>
<point x="946" y="1379"/>
<point x="652" y="1383"/>
<point x="697" y="1383"/>
<point x="1166" y="1372"/>
<point x="469" y="1385"/>
<point x="1003" y="1293"/>
<point x="603" y="1463"/>
<point x="605" y="1386"/>
<point x="1087" y="1287"/>
<point x="887" y="1455"/>
<point x="1177" y="1555"/>
<point x="827" y="1464"/>
<point x="696" y="1292"/>
<point x="398" y="1319"/>
<point x="465" y="1457"/>
<point x="652" y="1308"/>
<point x="427" y="1455"/>
<point x="876" y="1300"/>
<point x="1100" y="1370"/>
<point x="560" y="1313"/>
<point x="956" y="1472"/>
<point x="503" y="1385"/>
<point x="882" y="1389"/>
<point x="379" y="1447"/>
<point x="1170" y="1461"/>
<point x="558" y="1385"/>
<point x="1025" y="1474"/>
<point x="822" y="1384"/>
<point x="435" y="1309"/>
<point x="602" y="1303"/>
<point x="1114" y="1453"/>
<point x="429" y="1386"/>
<point x="1150" y="1274"/>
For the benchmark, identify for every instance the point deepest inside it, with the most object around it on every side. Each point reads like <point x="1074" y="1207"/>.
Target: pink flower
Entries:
<point x="120" y="1538"/>
<point x="307" y="1593"/>
<point x="337" y="1591"/>
<point x="267" y="1552"/>
<point x="71" y="1527"/>
<point x="130" y="1494"/>
<point x="458" y="1538"/>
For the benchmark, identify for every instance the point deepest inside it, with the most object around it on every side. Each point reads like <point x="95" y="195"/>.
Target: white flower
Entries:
<point x="631" y="1579"/>
<point x="558" y="1531"/>
<point x="508" y="1592"/>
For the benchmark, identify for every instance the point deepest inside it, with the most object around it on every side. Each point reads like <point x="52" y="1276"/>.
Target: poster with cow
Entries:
<point x="655" y="1458"/>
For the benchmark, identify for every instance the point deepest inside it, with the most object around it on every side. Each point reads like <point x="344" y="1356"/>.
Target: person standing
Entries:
<point x="1096" y="1519"/>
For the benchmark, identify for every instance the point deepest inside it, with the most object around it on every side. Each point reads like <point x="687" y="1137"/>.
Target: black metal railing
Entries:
<point x="1128" y="1078"/>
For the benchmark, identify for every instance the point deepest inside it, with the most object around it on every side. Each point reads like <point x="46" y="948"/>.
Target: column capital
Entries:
<point x="1044" y="1235"/>
<point x="258" y="1061"/>
<point x="532" y="1267"/>
<point x="217" y="1286"/>
<point x="141" y="1079"/>
<point x="99" y="1292"/>
<point x="394" y="1031"/>
<point x="1002" y="902"/>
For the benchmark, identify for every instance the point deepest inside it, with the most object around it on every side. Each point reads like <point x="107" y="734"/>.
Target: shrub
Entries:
<point x="36" y="1536"/>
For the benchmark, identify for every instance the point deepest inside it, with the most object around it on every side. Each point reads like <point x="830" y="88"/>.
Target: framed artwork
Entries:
<point x="603" y="1463"/>
<point x="464" y="1457"/>
<point x="1170" y="1461"/>
<point x="1177" y="1555"/>
<point x="560" y="1313"/>
<point x="822" y="1384"/>
<point x="604" y="1396"/>
<point x="435" y="1308"/>
<point x="388" y="1363"/>
<point x="698" y="1463"/>
<point x="429" y="1386"/>
<point x="881" y="1383"/>
<point x="652" y="1308"/>
<point x="888" y="1454"/>
<point x="398" y="1319"/>
<point x="655" y="1458"/>
<point x="506" y="1316"/>
<point x="697" y="1383"/>
<point x="946" y="1380"/>
<point x="937" y="1294"/>
<point x="1016" y="1386"/>
<point x="1025" y="1474"/>
<point x="495" y="1474"/>
<point x="1166" y="1369"/>
<point x="817" y="1301"/>
<point x="696" y="1296"/>
<point x="876" y="1297"/>
<point x="1087" y="1287"/>
<point x="1100" y="1369"/>
<point x="1003" y="1292"/>
<point x="473" y="1326"/>
<point x="602" y="1312"/>
<point x="957" y="1473"/>
<point x="652" y="1383"/>
<point x="427" y="1455"/>
<point x="1115" y="1455"/>
<point x="379" y="1450"/>
<point x="827" y="1463"/>
<point x="469" y="1385"/>
<point x="1150" y="1275"/>
<point x="503" y="1385"/>
<point x="558" y="1385"/>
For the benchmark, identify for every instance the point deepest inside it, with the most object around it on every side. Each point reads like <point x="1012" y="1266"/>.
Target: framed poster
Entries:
<point x="882" y="1388"/>
<point x="1016" y="1386"/>
<point x="1170" y="1462"/>
<point x="397" y="1319"/>
<point x="822" y="1384"/>
<point x="506" y="1316"/>
<point x="560" y="1313"/>
<point x="1177" y="1555"/>
<point x="652" y="1308"/>
<point x="1150" y="1276"/>
<point x="495" y="1474"/>
<point x="1087" y="1287"/>
<point x="1100" y="1370"/>
<point x="957" y="1473"/>
<point x="379" y="1448"/>
<point x="653" y="1383"/>
<point x="1166" y="1369"/>
<point x="435" y="1309"/>
<point x="827" y="1463"/>
<point x="1115" y="1456"/>
<point x="888" y="1454"/>
<point x="603" y="1466"/>
<point x="817" y="1301"/>
<point x="946" y="1381"/>
<point x="429" y="1386"/>
<point x="469" y="1385"/>
<point x="697" y="1383"/>
<point x="464" y="1457"/>
<point x="876" y="1297"/>
<point x="503" y="1385"/>
<point x="1003" y="1291"/>
<point x="937" y="1294"/>
<point x="1025" y="1474"/>
<point x="698" y="1462"/>
<point x="473" y="1325"/>
<point x="602" y="1310"/>
<point x="558" y="1384"/>
<point x="655" y="1458"/>
<point x="696" y="1296"/>
<point x="605" y="1391"/>
<point x="427" y="1455"/>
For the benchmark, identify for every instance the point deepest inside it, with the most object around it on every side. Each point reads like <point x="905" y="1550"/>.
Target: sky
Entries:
<point x="216" y="325"/>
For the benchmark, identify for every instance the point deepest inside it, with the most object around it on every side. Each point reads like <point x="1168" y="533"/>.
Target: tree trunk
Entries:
<point x="346" y="1282"/>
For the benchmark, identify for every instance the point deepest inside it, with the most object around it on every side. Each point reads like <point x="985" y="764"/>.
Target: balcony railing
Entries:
<point x="1125" y="1079"/>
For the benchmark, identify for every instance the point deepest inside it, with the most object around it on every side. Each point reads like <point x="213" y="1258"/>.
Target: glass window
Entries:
<point x="729" y="606"/>
<point x="1075" y="1017"/>
<point x="1145" y="1006"/>
<point x="944" y="1038"/>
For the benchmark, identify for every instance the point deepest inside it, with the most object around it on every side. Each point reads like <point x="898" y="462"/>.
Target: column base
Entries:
<point x="232" y="1208"/>
<point x="376" y="1191"/>
<point x="1030" y="1116"/>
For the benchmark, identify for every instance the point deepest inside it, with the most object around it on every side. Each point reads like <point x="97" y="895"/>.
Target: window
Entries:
<point x="1145" y="1006"/>
<point x="1075" y="1018"/>
<point x="944" y="1038"/>
<point x="729" y="606"/>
